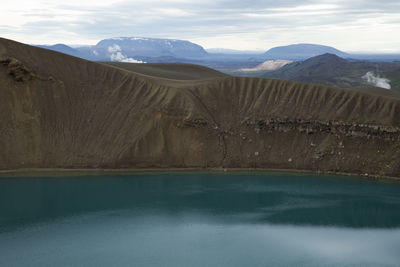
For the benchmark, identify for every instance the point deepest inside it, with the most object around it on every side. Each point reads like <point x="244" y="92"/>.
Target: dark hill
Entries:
<point x="329" y="69"/>
<point x="323" y="65"/>
<point x="58" y="111"/>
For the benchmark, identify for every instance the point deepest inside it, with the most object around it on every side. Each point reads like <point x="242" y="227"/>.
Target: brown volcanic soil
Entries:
<point x="175" y="71"/>
<point x="57" y="111"/>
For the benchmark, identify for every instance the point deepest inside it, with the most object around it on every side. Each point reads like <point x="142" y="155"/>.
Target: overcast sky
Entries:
<point x="349" y="25"/>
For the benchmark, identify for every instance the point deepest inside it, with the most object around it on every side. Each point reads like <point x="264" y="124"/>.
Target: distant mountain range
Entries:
<point x="329" y="69"/>
<point x="133" y="49"/>
<point x="63" y="49"/>
<point x="151" y="50"/>
<point x="301" y="52"/>
<point x="138" y="48"/>
<point x="232" y="51"/>
<point x="148" y="47"/>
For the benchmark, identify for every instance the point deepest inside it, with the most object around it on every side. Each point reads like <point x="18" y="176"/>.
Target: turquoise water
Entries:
<point x="199" y="220"/>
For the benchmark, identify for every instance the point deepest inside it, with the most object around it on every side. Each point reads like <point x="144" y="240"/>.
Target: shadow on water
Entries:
<point x="231" y="198"/>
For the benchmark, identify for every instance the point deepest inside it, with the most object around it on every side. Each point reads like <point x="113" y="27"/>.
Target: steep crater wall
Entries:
<point x="70" y="113"/>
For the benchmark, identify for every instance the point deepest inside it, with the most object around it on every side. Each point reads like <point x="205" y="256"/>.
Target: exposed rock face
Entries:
<point x="369" y="131"/>
<point x="17" y="70"/>
<point x="93" y="115"/>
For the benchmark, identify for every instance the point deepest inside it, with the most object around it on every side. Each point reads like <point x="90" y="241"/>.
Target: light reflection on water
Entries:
<point x="199" y="220"/>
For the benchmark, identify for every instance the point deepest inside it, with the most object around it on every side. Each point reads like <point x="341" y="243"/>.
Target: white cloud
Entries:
<point x="116" y="55"/>
<point x="171" y="12"/>
<point x="249" y="25"/>
<point x="314" y="7"/>
<point x="377" y="81"/>
<point x="114" y="48"/>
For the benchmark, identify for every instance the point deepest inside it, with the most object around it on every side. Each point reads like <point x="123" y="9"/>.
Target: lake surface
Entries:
<point x="199" y="219"/>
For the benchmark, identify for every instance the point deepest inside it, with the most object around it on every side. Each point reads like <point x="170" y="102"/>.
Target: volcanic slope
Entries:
<point x="58" y="111"/>
<point x="177" y="71"/>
